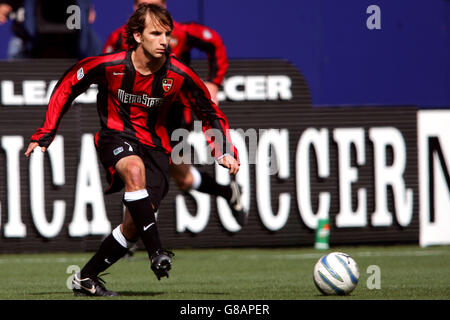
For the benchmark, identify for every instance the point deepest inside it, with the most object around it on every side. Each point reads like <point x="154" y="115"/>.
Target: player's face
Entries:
<point x="154" y="39"/>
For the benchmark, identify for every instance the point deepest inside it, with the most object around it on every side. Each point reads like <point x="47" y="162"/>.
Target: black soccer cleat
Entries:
<point x="90" y="287"/>
<point x="235" y="204"/>
<point x="161" y="263"/>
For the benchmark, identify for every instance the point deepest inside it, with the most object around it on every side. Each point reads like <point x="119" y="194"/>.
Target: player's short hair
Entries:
<point x="137" y="1"/>
<point x="136" y="23"/>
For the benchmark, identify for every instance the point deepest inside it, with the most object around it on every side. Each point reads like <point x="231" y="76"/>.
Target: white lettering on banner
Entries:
<point x="346" y="138"/>
<point x="8" y="96"/>
<point x="434" y="177"/>
<point x="271" y="87"/>
<point x="279" y="141"/>
<point x="197" y="222"/>
<point x="255" y="88"/>
<point x="242" y="178"/>
<point x="34" y="92"/>
<point x="318" y="139"/>
<point x="390" y="175"/>
<point x="38" y="92"/>
<point x="236" y="88"/>
<point x="279" y="87"/>
<point x="37" y="189"/>
<point x="89" y="191"/>
<point x="312" y="145"/>
<point x="14" y="227"/>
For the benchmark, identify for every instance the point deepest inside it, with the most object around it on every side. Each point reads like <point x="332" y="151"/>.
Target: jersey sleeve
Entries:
<point x="209" y="41"/>
<point x="214" y="123"/>
<point x="75" y="81"/>
<point x="115" y="41"/>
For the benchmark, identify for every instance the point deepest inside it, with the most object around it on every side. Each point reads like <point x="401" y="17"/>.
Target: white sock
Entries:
<point x="118" y="235"/>
<point x="135" y="195"/>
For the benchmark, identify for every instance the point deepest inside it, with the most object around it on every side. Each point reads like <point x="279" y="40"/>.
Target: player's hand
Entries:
<point x="31" y="147"/>
<point x="230" y="163"/>
<point x="213" y="90"/>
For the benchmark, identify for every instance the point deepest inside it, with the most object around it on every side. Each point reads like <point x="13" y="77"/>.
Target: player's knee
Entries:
<point x="134" y="171"/>
<point x="135" y="176"/>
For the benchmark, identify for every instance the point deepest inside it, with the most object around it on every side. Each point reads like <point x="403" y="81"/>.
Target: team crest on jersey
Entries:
<point x="167" y="84"/>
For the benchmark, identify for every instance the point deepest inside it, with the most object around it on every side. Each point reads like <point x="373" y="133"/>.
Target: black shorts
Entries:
<point x="112" y="147"/>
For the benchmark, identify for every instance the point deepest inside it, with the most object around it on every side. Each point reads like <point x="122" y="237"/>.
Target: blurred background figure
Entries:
<point x="13" y="10"/>
<point x="50" y="28"/>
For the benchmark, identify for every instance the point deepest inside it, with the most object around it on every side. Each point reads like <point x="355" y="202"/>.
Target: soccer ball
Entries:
<point x="336" y="273"/>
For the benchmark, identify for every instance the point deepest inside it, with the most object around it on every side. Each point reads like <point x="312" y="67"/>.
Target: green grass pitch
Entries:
<point x="406" y="272"/>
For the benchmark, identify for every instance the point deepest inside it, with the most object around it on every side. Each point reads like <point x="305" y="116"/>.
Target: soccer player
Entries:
<point x="138" y="91"/>
<point x="186" y="36"/>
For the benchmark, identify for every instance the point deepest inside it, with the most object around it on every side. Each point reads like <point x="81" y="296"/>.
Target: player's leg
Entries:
<point x="116" y="244"/>
<point x="187" y="178"/>
<point x="137" y="200"/>
<point x="142" y="211"/>
<point x="129" y="231"/>
<point x="112" y="248"/>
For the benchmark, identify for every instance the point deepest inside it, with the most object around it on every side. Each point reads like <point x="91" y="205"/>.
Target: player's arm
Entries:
<point x="213" y="91"/>
<point x="75" y="81"/>
<point x="115" y="41"/>
<point x="110" y="44"/>
<point x="214" y="123"/>
<point x="209" y="41"/>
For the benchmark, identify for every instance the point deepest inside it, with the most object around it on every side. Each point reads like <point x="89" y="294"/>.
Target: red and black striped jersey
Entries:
<point x="186" y="36"/>
<point x="137" y="106"/>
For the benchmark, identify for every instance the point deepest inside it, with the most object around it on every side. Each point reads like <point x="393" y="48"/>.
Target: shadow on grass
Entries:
<point x="139" y="293"/>
<point x="201" y="293"/>
<point x="121" y="293"/>
<point x="50" y="293"/>
<point x="135" y="293"/>
<point x="143" y="293"/>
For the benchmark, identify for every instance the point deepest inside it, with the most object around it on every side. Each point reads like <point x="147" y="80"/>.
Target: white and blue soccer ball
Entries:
<point x="336" y="273"/>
